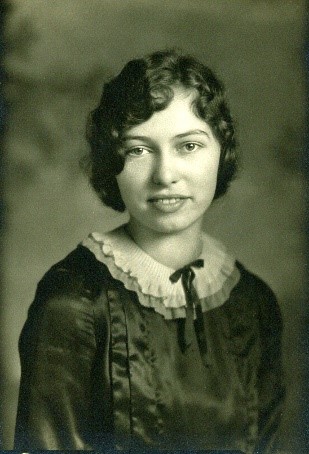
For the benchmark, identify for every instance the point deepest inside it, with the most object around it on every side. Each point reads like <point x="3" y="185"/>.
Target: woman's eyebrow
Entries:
<point x="134" y="137"/>
<point x="193" y="132"/>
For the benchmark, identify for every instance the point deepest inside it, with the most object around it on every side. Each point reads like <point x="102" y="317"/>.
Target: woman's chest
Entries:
<point x="171" y="397"/>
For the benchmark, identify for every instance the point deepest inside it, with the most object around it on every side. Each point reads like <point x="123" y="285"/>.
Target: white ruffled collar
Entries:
<point x="139" y="272"/>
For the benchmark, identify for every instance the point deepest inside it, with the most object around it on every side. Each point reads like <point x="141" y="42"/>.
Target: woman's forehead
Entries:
<point x="178" y="117"/>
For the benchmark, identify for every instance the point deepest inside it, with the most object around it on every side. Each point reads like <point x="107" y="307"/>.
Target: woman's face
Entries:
<point x="171" y="165"/>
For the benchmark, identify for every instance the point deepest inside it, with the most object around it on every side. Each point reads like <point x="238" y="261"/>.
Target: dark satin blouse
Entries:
<point x="102" y="372"/>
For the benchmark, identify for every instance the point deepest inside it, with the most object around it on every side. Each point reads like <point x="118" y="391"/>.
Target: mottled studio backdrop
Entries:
<point x="57" y="55"/>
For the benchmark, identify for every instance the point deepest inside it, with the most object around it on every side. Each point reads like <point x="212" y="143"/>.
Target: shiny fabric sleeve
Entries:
<point x="57" y="351"/>
<point x="271" y="387"/>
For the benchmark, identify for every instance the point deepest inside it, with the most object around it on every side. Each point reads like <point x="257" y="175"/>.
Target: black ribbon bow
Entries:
<point x="187" y="326"/>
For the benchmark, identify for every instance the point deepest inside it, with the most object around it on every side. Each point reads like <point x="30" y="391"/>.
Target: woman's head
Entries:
<point x="146" y="86"/>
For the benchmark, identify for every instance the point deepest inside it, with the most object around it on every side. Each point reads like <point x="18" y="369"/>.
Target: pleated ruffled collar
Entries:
<point x="140" y="273"/>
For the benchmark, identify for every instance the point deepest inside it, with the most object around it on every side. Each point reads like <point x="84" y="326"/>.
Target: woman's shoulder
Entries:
<point x="66" y="314"/>
<point x="253" y="293"/>
<point x="77" y="280"/>
<point x="79" y="272"/>
<point x="252" y="284"/>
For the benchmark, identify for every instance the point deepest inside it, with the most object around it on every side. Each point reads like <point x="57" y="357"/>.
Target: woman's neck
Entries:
<point x="172" y="250"/>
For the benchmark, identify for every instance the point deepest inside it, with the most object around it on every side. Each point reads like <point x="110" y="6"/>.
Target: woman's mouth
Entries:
<point x="168" y="204"/>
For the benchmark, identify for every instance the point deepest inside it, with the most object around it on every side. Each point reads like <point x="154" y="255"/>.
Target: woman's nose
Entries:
<point x="165" y="171"/>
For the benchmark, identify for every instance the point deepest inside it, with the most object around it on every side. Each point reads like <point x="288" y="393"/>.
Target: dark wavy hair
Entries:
<point x="143" y="87"/>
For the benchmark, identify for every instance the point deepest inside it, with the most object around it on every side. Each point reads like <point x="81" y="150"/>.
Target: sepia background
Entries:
<point x="58" y="53"/>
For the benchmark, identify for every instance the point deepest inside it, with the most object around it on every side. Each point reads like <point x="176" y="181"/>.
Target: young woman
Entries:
<point x="152" y="337"/>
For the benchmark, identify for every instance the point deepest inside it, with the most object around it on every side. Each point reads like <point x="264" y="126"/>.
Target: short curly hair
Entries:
<point x="143" y="87"/>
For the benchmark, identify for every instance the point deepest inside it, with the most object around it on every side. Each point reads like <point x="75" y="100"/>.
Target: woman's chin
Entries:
<point x="169" y="226"/>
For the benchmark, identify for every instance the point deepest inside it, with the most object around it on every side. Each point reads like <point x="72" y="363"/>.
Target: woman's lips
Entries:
<point x="168" y="204"/>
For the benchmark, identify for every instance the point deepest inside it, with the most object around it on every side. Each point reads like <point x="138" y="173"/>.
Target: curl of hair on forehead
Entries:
<point x="143" y="87"/>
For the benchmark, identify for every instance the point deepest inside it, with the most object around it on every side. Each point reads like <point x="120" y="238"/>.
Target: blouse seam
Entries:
<point x="129" y="369"/>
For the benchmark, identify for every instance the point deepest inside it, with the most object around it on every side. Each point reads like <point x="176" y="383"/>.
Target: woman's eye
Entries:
<point x="137" y="151"/>
<point x="190" y="146"/>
